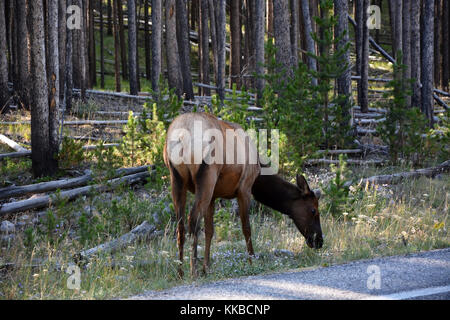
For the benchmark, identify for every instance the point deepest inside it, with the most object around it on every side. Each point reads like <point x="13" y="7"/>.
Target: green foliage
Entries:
<point x="105" y="161"/>
<point x="71" y="153"/>
<point x="337" y="191"/>
<point x="406" y="130"/>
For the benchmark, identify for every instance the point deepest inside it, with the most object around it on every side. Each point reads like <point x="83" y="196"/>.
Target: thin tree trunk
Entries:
<point x="110" y="17"/>
<point x="415" y="52"/>
<point x="147" y="42"/>
<point x="437" y="43"/>
<point x="294" y="31"/>
<point x="123" y="51"/>
<point x="213" y="32"/>
<point x="116" y="46"/>
<point x="259" y="46"/>
<point x="282" y="37"/>
<point x="310" y="45"/>
<point x="398" y="44"/>
<point x="249" y="59"/>
<point x="68" y="68"/>
<point x="53" y="82"/>
<point x="406" y="43"/>
<point x="184" y="47"/>
<point x="4" y="92"/>
<point x="132" y="43"/>
<point x="221" y="54"/>
<point x="156" y="43"/>
<point x="341" y="31"/>
<point x="445" y="45"/>
<point x="269" y="14"/>
<point x="204" y="45"/>
<point x="22" y="54"/>
<point x="363" y="35"/>
<point x="235" y="37"/>
<point x="392" y="24"/>
<point x="427" y="60"/>
<point x="102" y="47"/>
<point x="91" y="34"/>
<point x="62" y="45"/>
<point x="41" y="154"/>
<point x="172" y="55"/>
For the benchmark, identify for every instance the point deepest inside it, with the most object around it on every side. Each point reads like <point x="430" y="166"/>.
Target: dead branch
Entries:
<point x="12" y="144"/>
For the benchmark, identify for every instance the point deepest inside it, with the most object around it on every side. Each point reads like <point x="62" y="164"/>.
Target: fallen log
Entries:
<point x="372" y="115"/>
<point x="370" y="121"/>
<point x="372" y="148"/>
<point x="348" y="151"/>
<point x="440" y="102"/>
<point x="12" y="144"/>
<point x="398" y="177"/>
<point x="44" y="201"/>
<point x="312" y="162"/>
<point x="144" y="231"/>
<point x="18" y="191"/>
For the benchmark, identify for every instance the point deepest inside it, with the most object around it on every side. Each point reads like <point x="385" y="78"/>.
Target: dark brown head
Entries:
<point x="305" y="214"/>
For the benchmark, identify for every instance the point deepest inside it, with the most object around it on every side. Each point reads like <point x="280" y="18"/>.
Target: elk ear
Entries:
<point x="302" y="185"/>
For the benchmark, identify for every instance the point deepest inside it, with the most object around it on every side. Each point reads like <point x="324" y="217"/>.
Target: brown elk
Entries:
<point x="226" y="179"/>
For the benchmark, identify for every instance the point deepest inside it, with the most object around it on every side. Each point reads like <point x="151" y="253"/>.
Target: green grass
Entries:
<point x="406" y="218"/>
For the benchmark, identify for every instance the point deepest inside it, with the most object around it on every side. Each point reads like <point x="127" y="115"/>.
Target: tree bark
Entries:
<point x="437" y="43"/>
<point x="259" y="46"/>
<point x="213" y="33"/>
<point x="398" y="44"/>
<point x="62" y="34"/>
<point x="4" y="92"/>
<point x="91" y="46"/>
<point x="362" y="53"/>
<point x="132" y="47"/>
<point x="427" y="60"/>
<point x="415" y="52"/>
<point x="235" y="36"/>
<point x="406" y="45"/>
<point x="341" y="31"/>
<point x="116" y="47"/>
<point x="204" y="45"/>
<point x="123" y="51"/>
<point x="110" y="17"/>
<point x="221" y="54"/>
<point x="310" y="45"/>
<point x="294" y="31"/>
<point x="41" y="154"/>
<point x="282" y="37"/>
<point x="392" y="23"/>
<point x="269" y="13"/>
<point x="172" y="53"/>
<point x="53" y="83"/>
<point x="147" y="42"/>
<point x="68" y="67"/>
<point x="156" y="43"/>
<point x="445" y="45"/>
<point x="184" y="47"/>
<point x="102" y="47"/>
<point x="22" y="54"/>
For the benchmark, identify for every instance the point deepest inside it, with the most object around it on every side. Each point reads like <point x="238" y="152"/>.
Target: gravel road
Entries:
<point x="415" y="276"/>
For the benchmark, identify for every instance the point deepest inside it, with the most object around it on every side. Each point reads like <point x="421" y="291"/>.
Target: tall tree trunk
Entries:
<point x="221" y="54"/>
<point x="41" y="155"/>
<point x="53" y="83"/>
<point x="116" y="46"/>
<point x="22" y="53"/>
<point x="427" y="50"/>
<point x="437" y="43"/>
<point x="415" y="52"/>
<point x="62" y="8"/>
<point x="341" y="31"/>
<point x="249" y="59"/>
<point x="269" y="13"/>
<point x="68" y="67"/>
<point x="310" y="45"/>
<point x="398" y="44"/>
<point x="235" y="37"/>
<point x="363" y="54"/>
<point x="392" y="24"/>
<point x="123" y="50"/>
<point x="184" y="47"/>
<point x="172" y="55"/>
<point x="282" y="37"/>
<point x="156" y="43"/>
<point x="213" y="32"/>
<point x="102" y="47"/>
<point x="294" y="31"/>
<point x="132" y="46"/>
<point x="138" y="18"/>
<point x="259" y="46"/>
<point x="406" y="43"/>
<point x="91" y="45"/>
<point x="204" y="45"/>
<point x="79" y="67"/>
<point x="4" y="92"/>
<point x="110" y="18"/>
<point x="445" y="45"/>
<point x="147" y="42"/>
